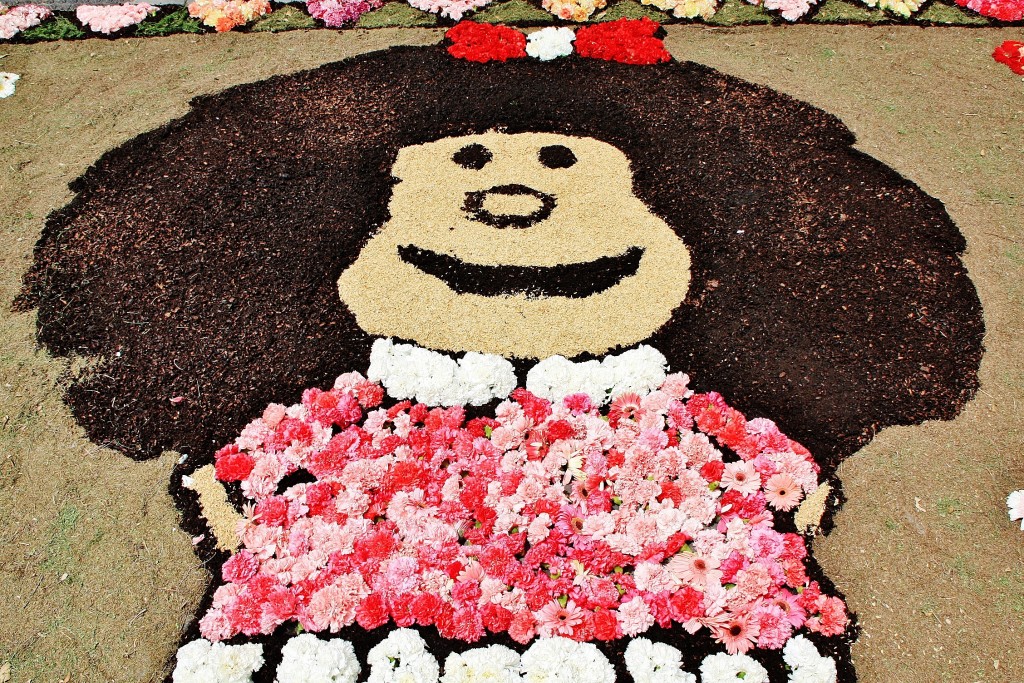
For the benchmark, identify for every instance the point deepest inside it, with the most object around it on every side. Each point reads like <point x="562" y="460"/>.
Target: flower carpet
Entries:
<point x="465" y="372"/>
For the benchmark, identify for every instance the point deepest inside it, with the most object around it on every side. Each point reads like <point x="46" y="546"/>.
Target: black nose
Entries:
<point x="474" y="206"/>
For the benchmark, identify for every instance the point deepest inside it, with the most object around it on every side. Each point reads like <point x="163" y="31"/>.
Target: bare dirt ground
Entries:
<point x="97" y="579"/>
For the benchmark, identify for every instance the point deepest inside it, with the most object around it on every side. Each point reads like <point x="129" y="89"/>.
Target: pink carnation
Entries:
<point x="112" y="18"/>
<point x="453" y="9"/>
<point x="791" y="10"/>
<point x="336" y="13"/>
<point x="16" y="19"/>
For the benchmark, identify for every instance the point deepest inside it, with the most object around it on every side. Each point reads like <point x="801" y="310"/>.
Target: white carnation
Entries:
<point x="650" y="662"/>
<point x="7" y="81"/>
<point x="808" y="665"/>
<point x="204" y="662"/>
<point x="640" y="370"/>
<point x="550" y="43"/>
<point x="402" y="657"/>
<point x="408" y="371"/>
<point x="560" y="660"/>
<point x="494" y="664"/>
<point x="484" y="376"/>
<point x="307" y="659"/>
<point x="1015" y="505"/>
<point x="726" y="668"/>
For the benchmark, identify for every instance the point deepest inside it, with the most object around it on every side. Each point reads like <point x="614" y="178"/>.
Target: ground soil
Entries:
<point x="98" y="578"/>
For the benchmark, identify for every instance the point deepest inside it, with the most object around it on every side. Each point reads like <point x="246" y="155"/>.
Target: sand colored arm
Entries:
<point x="221" y="516"/>
<point x="808" y="515"/>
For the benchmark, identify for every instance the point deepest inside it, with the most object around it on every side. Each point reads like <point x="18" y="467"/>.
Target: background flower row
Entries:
<point x="35" y="22"/>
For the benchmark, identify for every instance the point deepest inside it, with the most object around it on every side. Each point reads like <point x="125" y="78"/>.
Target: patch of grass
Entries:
<point x="397" y="14"/>
<point x="285" y="19"/>
<point x="950" y="509"/>
<point x="511" y="12"/>
<point x="178" y="21"/>
<point x="950" y="15"/>
<point x="59" y="555"/>
<point x="58" y="28"/>
<point x="842" y="12"/>
<point x="735" y="12"/>
<point x="997" y="197"/>
<point x="630" y="9"/>
<point x="1013" y="253"/>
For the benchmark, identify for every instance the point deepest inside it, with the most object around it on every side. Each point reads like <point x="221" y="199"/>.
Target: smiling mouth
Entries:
<point x="573" y="280"/>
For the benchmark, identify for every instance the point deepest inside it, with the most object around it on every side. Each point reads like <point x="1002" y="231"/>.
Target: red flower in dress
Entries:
<point x="630" y="41"/>
<point x="1011" y="53"/>
<point x="485" y="42"/>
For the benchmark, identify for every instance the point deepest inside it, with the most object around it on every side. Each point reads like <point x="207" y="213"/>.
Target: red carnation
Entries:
<point x="372" y="611"/>
<point x="369" y="394"/>
<point x="240" y="567"/>
<point x="630" y="41"/>
<point x="467" y="625"/>
<point x="522" y="627"/>
<point x="606" y="625"/>
<point x="1011" y="53"/>
<point x="712" y="470"/>
<point x="273" y="511"/>
<point x="401" y="610"/>
<point x="233" y="466"/>
<point x="426" y="608"/>
<point x="496" y="618"/>
<point x="560" y="429"/>
<point x="686" y="604"/>
<point x="485" y="42"/>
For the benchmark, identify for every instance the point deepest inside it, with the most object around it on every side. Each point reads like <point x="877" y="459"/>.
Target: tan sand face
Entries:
<point x="591" y="214"/>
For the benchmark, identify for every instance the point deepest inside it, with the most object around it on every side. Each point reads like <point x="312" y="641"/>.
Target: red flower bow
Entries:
<point x="630" y="41"/>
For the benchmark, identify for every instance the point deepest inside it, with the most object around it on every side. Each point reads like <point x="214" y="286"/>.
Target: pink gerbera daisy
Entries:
<point x="739" y="634"/>
<point x="741" y="476"/>
<point x="695" y="569"/>
<point x="555" y="620"/>
<point x="782" y="491"/>
<point x="625" y="406"/>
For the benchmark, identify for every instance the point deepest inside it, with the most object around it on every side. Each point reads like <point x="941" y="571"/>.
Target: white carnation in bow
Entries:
<point x="550" y="43"/>
<point x="7" y="81"/>
<point x="483" y="376"/>
<point x="650" y="662"/>
<point x="408" y="371"/>
<point x="204" y="662"/>
<point x="494" y="664"/>
<point x="1015" y="505"/>
<point x="726" y="668"/>
<point x="808" y="665"/>
<point x="640" y="370"/>
<point x="402" y="657"/>
<point x="560" y="660"/>
<point x="307" y="659"/>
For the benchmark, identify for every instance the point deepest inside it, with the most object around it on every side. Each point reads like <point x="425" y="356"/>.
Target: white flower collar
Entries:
<point x="412" y="372"/>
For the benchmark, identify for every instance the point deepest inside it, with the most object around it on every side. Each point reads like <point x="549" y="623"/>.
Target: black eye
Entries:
<point x="472" y="156"/>
<point x="557" y="156"/>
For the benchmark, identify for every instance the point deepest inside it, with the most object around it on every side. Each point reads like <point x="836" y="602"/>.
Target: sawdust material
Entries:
<point x="596" y="216"/>
<point x="808" y="515"/>
<point x="940" y="593"/>
<point x="221" y="516"/>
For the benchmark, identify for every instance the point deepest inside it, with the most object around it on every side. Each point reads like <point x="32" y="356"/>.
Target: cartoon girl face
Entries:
<point x="526" y="245"/>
